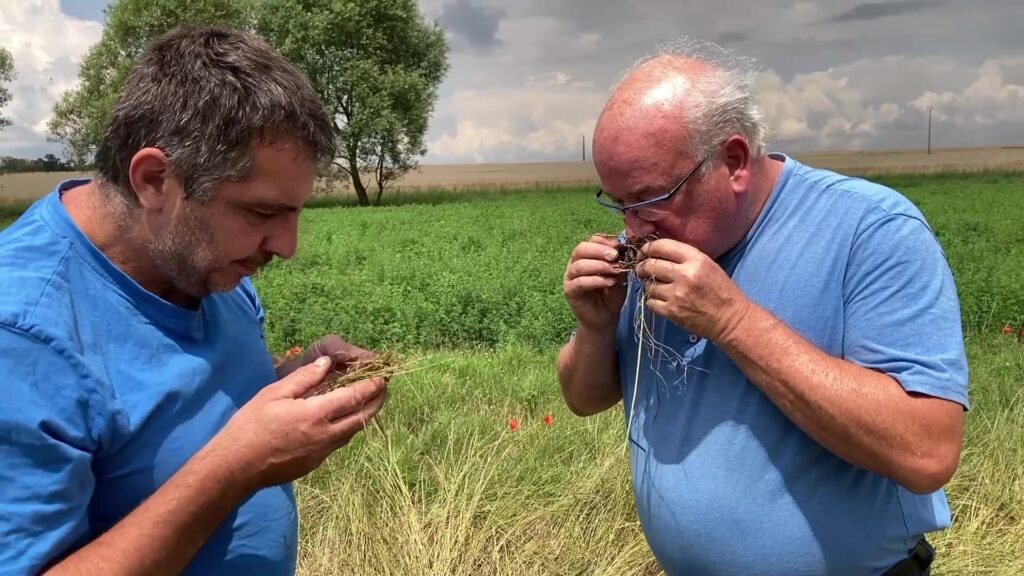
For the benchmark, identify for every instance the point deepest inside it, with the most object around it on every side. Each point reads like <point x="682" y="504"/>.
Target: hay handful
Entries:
<point x="385" y="365"/>
<point x="629" y="251"/>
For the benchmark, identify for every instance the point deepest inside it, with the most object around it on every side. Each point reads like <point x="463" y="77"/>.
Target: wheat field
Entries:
<point x="474" y="176"/>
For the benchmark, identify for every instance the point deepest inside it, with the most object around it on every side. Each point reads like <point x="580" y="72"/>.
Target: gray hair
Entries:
<point x="723" y="102"/>
<point x="205" y="95"/>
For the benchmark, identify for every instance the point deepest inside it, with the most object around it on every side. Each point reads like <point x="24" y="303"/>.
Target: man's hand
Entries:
<point x="594" y="285"/>
<point x="341" y="352"/>
<point x="596" y="290"/>
<point x="278" y="436"/>
<point x="690" y="289"/>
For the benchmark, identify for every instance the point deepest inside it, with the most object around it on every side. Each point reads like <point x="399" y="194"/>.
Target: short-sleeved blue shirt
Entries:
<point x="724" y="482"/>
<point x="108" y="390"/>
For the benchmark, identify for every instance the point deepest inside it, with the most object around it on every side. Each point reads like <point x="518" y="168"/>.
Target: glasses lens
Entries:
<point x="614" y="210"/>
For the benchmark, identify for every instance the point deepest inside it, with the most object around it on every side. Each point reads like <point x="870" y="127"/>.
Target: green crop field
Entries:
<point x="468" y="285"/>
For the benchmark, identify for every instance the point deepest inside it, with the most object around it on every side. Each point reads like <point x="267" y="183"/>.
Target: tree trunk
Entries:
<point x="379" y="177"/>
<point x="357" y="182"/>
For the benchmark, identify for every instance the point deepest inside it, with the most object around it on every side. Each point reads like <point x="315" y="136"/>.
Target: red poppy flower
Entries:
<point x="513" y="424"/>
<point x="1007" y="329"/>
<point x="548" y="419"/>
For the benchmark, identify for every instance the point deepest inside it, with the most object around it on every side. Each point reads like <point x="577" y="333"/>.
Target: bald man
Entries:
<point x="795" y="403"/>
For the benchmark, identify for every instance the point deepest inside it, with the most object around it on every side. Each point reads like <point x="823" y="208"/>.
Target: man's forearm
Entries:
<point x="164" y="532"/>
<point x="588" y="372"/>
<point x="862" y="416"/>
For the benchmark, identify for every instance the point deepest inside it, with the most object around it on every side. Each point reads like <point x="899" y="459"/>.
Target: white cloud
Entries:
<point x="871" y="103"/>
<point x="990" y="99"/>
<point x="47" y="46"/>
<point x="884" y="102"/>
<point x="825" y="86"/>
<point x="550" y="79"/>
<point x="532" y="123"/>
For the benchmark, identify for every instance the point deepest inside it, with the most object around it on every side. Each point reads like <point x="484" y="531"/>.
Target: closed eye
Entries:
<point x="262" y="214"/>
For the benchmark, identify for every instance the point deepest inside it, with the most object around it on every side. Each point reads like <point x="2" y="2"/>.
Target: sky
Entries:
<point x="528" y="78"/>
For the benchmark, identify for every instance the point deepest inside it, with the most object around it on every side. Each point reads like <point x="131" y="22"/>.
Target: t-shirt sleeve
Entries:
<point x="47" y="421"/>
<point x="249" y="290"/>
<point x="902" y="314"/>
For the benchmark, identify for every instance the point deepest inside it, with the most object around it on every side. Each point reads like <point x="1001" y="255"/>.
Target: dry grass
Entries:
<point x="987" y="493"/>
<point x="918" y="161"/>
<point x="29" y="186"/>
<point x="386" y="364"/>
<point x="629" y="251"/>
<point x="444" y="487"/>
<point x="475" y="176"/>
<point x="478" y="504"/>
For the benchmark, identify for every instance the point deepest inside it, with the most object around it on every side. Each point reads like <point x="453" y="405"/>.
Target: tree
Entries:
<point x="81" y="114"/>
<point x="48" y="163"/>
<point x="377" y="65"/>
<point x="7" y="74"/>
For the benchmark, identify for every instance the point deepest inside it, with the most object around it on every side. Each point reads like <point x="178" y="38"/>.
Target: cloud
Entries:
<point x="732" y="37"/>
<point x="996" y="97"/>
<point x="471" y="25"/>
<point x="878" y="10"/>
<point x="528" y="77"/>
<point x="884" y="103"/>
<point x="870" y="103"/>
<point x="47" y="45"/>
<point x="531" y="123"/>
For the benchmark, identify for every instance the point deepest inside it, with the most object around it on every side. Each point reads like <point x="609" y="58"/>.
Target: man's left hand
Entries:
<point x="686" y="286"/>
<point x="343" y="353"/>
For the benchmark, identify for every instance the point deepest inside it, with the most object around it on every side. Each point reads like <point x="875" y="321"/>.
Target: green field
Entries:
<point x="470" y="285"/>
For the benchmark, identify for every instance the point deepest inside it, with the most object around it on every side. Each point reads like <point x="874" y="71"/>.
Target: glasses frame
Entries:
<point x="620" y="209"/>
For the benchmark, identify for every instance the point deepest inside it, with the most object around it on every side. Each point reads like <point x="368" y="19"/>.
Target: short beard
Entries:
<point x="184" y="254"/>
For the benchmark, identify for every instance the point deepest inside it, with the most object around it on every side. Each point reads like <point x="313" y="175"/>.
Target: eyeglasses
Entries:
<point x="642" y="209"/>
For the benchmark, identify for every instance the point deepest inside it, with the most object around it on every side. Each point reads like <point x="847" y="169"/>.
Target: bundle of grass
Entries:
<point x="629" y="250"/>
<point x="386" y="364"/>
<point x="644" y="322"/>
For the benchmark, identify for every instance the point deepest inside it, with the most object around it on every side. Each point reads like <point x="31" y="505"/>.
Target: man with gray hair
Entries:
<point x="788" y="350"/>
<point x="145" y="428"/>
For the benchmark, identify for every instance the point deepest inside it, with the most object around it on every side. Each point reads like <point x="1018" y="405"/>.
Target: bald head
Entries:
<point x="687" y="98"/>
<point x="689" y="104"/>
<point x="648" y="110"/>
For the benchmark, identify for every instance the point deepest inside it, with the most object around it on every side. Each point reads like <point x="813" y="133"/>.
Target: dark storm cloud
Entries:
<point x="877" y="10"/>
<point x="472" y="25"/>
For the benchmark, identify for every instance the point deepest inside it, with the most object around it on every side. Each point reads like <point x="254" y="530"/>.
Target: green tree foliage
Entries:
<point x="80" y="115"/>
<point x="6" y="75"/>
<point x="46" y="163"/>
<point x="377" y="65"/>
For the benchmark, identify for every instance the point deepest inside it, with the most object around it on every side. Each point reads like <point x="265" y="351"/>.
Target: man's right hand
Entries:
<point x="594" y="285"/>
<point x="278" y="436"/>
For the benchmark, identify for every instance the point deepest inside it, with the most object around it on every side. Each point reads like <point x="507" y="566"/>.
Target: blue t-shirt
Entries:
<point x="108" y="390"/>
<point x="724" y="482"/>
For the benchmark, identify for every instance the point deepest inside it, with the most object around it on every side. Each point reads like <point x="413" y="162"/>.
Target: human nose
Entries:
<point x="283" y="239"/>
<point x="636" y="225"/>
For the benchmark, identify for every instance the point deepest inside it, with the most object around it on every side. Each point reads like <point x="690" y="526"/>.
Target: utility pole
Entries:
<point x="929" y="130"/>
<point x="583" y="141"/>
